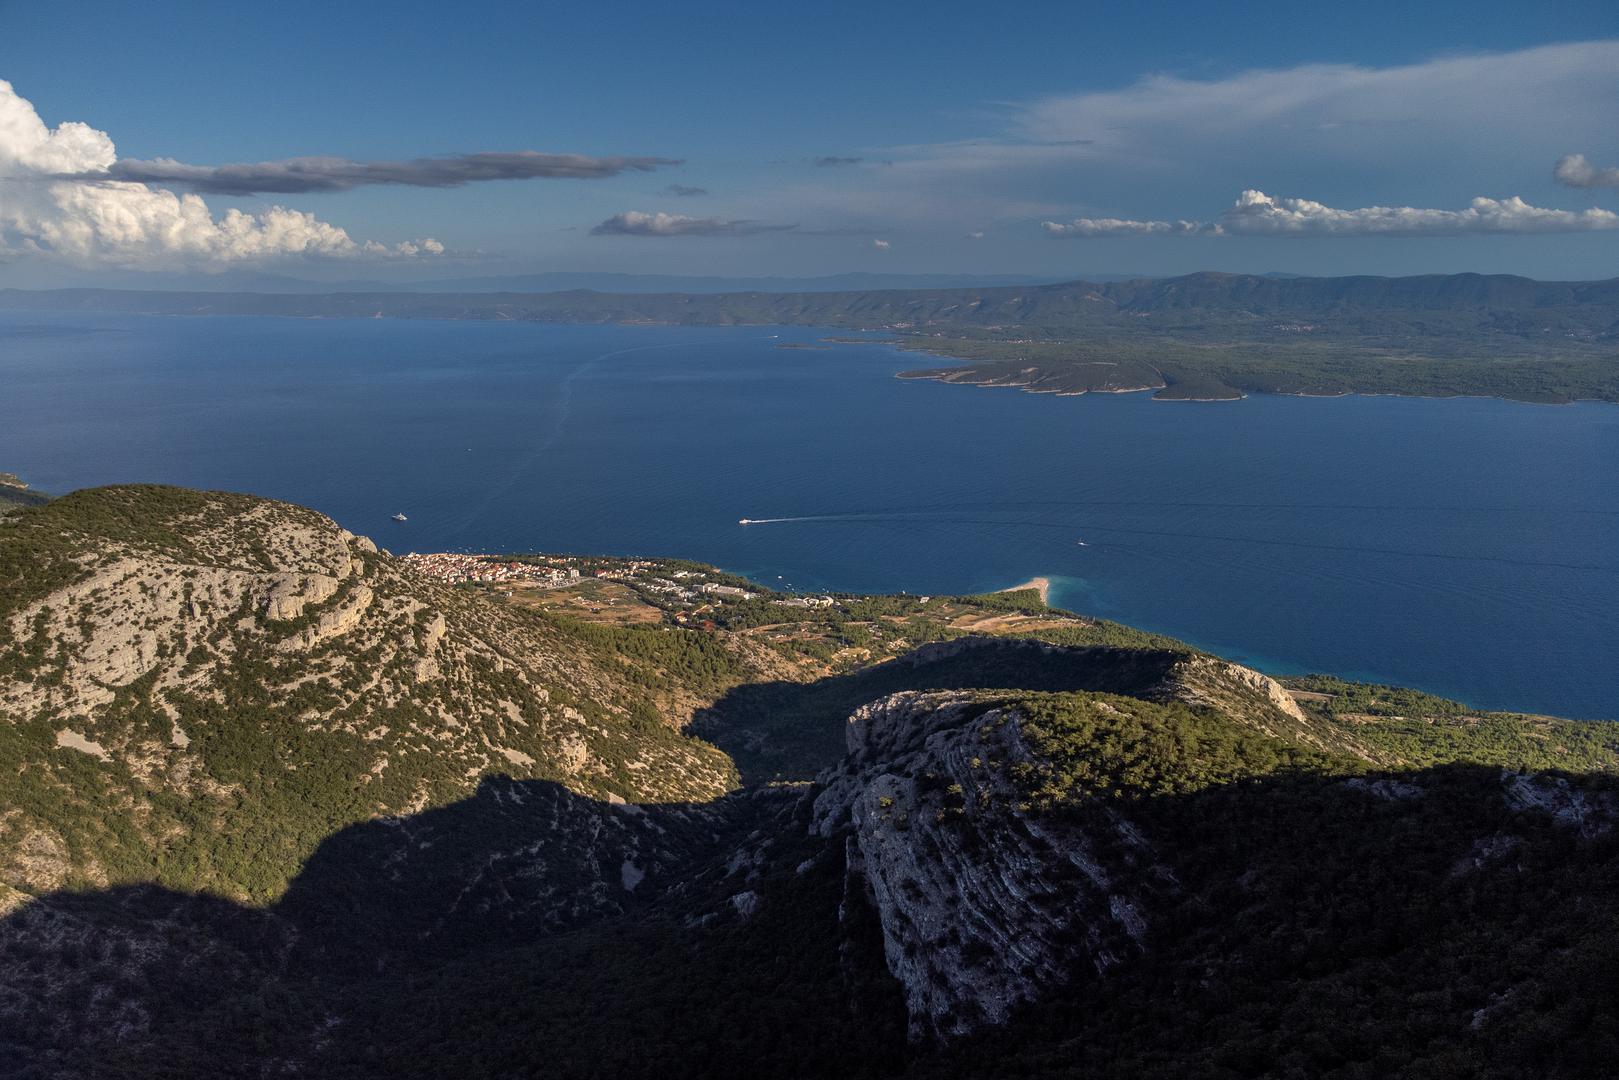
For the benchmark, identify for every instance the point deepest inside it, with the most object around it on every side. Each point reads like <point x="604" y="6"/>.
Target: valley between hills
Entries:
<point x="276" y="801"/>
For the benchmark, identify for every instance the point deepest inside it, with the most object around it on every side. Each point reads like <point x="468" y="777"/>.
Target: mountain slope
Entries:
<point x="1070" y="884"/>
<point x="203" y="686"/>
<point x="283" y="805"/>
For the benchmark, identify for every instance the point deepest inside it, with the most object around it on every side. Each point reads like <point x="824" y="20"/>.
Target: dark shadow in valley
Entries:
<point x="1453" y="921"/>
<point x="791" y="731"/>
<point x="528" y="931"/>
<point x="524" y="898"/>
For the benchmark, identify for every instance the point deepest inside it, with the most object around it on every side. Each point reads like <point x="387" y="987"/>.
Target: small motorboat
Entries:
<point x="401" y="517"/>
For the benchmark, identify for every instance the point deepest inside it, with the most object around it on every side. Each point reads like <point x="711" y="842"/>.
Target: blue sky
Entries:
<point x="1074" y="138"/>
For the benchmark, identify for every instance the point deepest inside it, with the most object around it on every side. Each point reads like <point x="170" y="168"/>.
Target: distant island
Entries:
<point x="1208" y="336"/>
<point x="14" y="493"/>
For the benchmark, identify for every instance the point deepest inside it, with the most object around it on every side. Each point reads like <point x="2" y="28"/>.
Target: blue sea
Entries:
<point x="1468" y="547"/>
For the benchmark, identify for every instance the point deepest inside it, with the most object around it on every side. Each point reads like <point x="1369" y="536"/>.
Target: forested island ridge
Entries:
<point x="1199" y="336"/>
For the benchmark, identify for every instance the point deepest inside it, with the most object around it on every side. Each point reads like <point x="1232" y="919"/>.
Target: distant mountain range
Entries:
<point x="563" y="281"/>
<point x="552" y="281"/>
<point x="871" y="297"/>
<point x="1207" y="335"/>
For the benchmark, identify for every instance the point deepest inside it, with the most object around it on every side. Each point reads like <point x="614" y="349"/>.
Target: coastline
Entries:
<point x="1041" y="585"/>
<point x="929" y="375"/>
<point x="901" y="344"/>
<point x="952" y="377"/>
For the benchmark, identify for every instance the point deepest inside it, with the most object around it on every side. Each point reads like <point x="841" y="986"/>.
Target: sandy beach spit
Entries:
<point x="1041" y="585"/>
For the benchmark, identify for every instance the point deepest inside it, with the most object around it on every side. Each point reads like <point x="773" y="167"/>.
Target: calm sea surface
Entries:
<point x="1467" y="547"/>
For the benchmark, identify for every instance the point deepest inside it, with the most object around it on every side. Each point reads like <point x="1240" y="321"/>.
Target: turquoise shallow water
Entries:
<point x="1468" y="547"/>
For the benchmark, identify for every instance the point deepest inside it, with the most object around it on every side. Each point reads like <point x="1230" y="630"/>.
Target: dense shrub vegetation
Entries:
<point x="1363" y="891"/>
<point x="1122" y="748"/>
<point x="1422" y="729"/>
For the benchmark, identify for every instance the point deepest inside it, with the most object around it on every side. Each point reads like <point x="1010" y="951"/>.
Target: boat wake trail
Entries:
<point x="559" y="428"/>
<point x="998" y="505"/>
<point x="920" y="518"/>
<point x="807" y="517"/>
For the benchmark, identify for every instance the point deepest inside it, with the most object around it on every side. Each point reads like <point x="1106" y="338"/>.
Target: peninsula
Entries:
<point x="1207" y="336"/>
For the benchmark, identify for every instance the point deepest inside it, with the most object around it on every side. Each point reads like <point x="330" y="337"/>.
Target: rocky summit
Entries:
<point x="275" y="802"/>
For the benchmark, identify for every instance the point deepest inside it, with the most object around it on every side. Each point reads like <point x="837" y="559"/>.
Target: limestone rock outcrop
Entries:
<point x="984" y="902"/>
<point x="166" y="627"/>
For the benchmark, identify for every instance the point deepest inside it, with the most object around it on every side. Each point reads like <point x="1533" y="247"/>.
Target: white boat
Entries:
<point x="1081" y="543"/>
<point x="745" y="521"/>
<point x="400" y="517"/>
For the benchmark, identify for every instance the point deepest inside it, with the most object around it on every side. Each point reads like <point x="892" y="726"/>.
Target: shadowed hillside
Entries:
<point x="1417" y="917"/>
<point x="283" y="805"/>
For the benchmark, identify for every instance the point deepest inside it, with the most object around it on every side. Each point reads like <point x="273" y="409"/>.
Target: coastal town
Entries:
<point x="681" y="590"/>
<point x="457" y="568"/>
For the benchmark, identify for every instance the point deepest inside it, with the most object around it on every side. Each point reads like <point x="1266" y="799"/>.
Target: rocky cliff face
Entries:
<point x="985" y="904"/>
<point x="992" y="898"/>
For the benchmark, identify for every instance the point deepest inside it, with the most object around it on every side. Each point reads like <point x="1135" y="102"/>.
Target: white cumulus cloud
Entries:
<point x="1088" y="227"/>
<point x="1426" y="125"/>
<point x="1574" y="171"/>
<point x="125" y="223"/>
<point x="640" y="223"/>
<point x="1257" y="214"/>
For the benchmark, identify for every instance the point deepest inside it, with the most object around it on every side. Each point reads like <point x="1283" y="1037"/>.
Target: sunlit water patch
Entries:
<point x="1468" y="547"/>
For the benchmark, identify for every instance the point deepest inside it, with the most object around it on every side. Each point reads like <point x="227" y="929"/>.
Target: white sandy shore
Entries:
<point x="1041" y="585"/>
